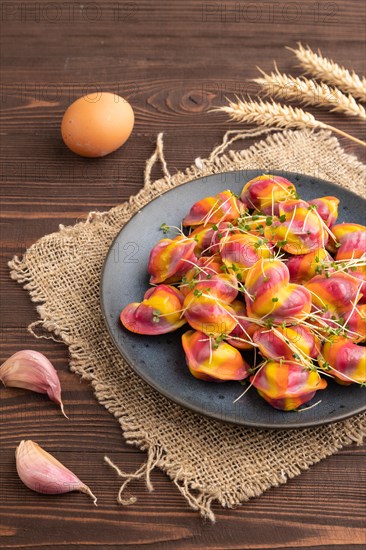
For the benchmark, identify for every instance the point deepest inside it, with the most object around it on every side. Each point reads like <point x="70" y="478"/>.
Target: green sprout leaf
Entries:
<point x="165" y="228"/>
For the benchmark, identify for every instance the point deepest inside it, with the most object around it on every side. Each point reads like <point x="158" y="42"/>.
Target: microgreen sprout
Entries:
<point x="156" y="315"/>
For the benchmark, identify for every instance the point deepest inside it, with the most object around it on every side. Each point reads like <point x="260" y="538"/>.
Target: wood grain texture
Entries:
<point x="174" y="61"/>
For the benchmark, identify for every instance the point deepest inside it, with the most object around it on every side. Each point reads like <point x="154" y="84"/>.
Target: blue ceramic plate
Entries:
<point x="159" y="360"/>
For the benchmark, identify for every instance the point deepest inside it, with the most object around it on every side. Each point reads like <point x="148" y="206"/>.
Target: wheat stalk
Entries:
<point x="329" y="71"/>
<point x="309" y="92"/>
<point x="265" y="113"/>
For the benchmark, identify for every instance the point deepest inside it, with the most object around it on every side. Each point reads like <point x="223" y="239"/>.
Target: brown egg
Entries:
<point x="96" y="125"/>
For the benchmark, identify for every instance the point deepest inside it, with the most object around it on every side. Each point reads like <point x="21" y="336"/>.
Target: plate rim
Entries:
<point x="221" y="418"/>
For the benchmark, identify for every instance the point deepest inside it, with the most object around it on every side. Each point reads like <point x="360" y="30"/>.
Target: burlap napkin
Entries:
<point x="207" y="460"/>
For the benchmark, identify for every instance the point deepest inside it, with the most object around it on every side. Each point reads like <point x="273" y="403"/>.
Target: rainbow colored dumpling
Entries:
<point x="344" y="360"/>
<point x="158" y="313"/>
<point x="170" y="259"/>
<point x="209" y="314"/>
<point x="264" y="193"/>
<point x="301" y="231"/>
<point x="223" y="207"/>
<point x="287" y="385"/>
<point x="216" y="362"/>
<point x="270" y="293"/>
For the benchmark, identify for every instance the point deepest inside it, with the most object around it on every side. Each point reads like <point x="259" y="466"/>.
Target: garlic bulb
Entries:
<point x="31" y="370"/>
<point x="43" y="473"/>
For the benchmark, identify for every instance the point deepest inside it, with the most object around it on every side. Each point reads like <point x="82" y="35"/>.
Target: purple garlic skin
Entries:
<point x="31" y="370"/>
<point x="43" y="473"/>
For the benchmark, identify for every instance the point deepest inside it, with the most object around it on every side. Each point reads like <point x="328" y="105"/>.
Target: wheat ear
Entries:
<point x="327" y="70"/>
<point x="265" y="113"/>
<point x="309" y="92"/>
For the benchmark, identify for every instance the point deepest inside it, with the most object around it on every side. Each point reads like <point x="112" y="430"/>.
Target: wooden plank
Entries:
<point x="174" y="61"/>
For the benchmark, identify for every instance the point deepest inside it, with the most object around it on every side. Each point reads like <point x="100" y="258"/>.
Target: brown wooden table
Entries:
<point x="172" y="61"/>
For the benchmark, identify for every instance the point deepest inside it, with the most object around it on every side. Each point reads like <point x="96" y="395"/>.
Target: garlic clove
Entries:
<point x="43" y="473"/>
<point x="31" y="370"/>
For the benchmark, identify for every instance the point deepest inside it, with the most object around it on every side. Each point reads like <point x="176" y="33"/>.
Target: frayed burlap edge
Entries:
<point x="198" y="490"/>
